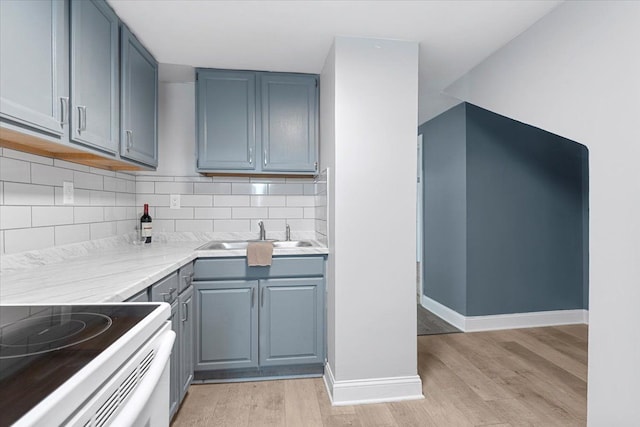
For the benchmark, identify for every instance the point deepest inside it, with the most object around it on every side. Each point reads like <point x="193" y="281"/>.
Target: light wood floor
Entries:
<point x="524" y="377"/>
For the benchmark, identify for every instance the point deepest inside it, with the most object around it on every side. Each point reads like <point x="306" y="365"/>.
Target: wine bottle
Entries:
<point x="145" y="225"/>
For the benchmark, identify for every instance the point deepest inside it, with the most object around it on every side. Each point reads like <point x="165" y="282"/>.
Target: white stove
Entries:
<point x="85" y="365"/>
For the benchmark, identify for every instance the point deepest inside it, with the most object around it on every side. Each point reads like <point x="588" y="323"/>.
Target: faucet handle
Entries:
<point x="287" y="233"/>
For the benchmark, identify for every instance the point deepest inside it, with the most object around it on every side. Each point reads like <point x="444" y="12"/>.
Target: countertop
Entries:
<point x="109" y="271"/>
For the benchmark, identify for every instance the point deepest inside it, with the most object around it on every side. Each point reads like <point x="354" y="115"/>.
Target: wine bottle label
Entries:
<point x="146" y="229"/>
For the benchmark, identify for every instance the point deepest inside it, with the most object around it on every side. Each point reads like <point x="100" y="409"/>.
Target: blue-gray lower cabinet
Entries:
<point x="174" y="364"/>
<point x="227" y="326"/>
<point x="291" y="321"/>
<point x="185" y="301"/>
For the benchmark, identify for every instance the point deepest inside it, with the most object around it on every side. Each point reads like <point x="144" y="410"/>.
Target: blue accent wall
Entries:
<point x="506" y="215"/>
<point x="444" y="210"/>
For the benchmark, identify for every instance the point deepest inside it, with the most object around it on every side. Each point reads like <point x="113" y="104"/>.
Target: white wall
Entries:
<point x="576" y="73"/>
<point x="370" y="142"/>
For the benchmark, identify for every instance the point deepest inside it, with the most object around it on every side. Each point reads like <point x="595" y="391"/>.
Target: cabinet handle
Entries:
<point x="186" y="311"/>
<point x="253" y="292"/>
<point x="168" y="294"/>
<point x="262" y="298"/>
<point x="315" y="165"/>
<point x="188" y="279"/>
<point x="250" y="155"/>
<point x="64" y="110"/>
<point x="265" y="157"/>
<point x="82" y="122"/>
<point x="129" y="139"/>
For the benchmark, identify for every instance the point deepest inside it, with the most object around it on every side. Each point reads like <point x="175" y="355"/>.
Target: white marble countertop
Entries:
<point x="110" y="271"/>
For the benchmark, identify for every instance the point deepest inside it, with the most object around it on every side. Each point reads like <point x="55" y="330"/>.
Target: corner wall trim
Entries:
<point x="505" y="321"/>
<point x="376" y="390"/>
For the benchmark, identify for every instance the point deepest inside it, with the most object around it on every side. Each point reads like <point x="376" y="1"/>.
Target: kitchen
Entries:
<point x="613" y="207"/>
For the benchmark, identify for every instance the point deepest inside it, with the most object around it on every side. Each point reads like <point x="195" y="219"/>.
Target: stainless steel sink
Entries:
<point x="242" y="244"/>
<point x="291" y="244"/>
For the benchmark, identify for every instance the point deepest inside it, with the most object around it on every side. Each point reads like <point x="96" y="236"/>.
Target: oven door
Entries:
<point x="138" y="394"/>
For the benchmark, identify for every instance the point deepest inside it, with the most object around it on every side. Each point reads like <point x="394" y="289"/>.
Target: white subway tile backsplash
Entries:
<point x="212" y="188"/>
<point x="249" y="213"/>
<point x="67" y="234"/>
<point x="115" y="213"/>
<point x="87" y="214"/>
<point x="15" y="217"/>
<point x="212" y="213"/>
<point x="102" y="198"/>
<point x="144" y="187"/>
<point x="88" y="181"/>
<point x="14" y="170"/>
<point x="115" y="184"/>
<point x="188" y="200"/>
<point x="287" y="189"/>
<point x="174" y="188"/>
<point x="125" y="199"/>
<point x="300" y="201"/>
<point x="192" y="179"/>
<point x="231" y="201"/>
<point x="51" y="215"/>
<point x="101" y="172"/>
<point x="27" y="157"/>
<point x="126" y="226"/>
<point x="27" y="194"/>
<point x="249" y="188"/>
<point x="231" y="225"/>
<point x="167" y="213"/>
<point x="100" y="230"/>
<point x="68" y="165"/>
<point x="164" y="225"/>
<point x="310" y="212"/>
<point x="286" y="213"/>
<point x="50" y="175"/>
<point x="147" y="176"/>
<point x="27" y="239"/>
<point x="204" y="225"/>
<point x="301" y="224"/>
<point x="268" y="201"/>
<point x="153" y="200"/>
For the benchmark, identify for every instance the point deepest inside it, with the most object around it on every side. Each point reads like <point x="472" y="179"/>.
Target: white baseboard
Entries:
<point x="505" y="321"/>
<point x="356" y="392"/>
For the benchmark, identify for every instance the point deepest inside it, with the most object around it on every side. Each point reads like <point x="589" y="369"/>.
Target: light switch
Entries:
<point x="174" y="201"/>
<point x="67" y="193"/>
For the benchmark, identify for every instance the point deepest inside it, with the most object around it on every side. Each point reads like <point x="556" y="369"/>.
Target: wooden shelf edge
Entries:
<point x="18" y="141"/>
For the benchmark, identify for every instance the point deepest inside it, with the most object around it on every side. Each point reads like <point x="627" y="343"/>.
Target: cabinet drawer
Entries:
<point x="186" y="276"/>
<point x="235" y="268"/>
<point x="165" y="290"/>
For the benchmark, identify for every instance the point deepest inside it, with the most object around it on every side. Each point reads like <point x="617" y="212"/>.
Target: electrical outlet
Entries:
<point x="67" y="193"/>
<point x="174" y="201"/>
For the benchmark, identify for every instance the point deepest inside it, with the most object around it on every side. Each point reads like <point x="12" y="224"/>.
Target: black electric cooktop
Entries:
<point x="41" y="347"/>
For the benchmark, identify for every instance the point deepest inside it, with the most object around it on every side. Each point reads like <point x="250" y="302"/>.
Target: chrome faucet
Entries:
<point x="288" y="233"/>
<point x="263" y="233"/>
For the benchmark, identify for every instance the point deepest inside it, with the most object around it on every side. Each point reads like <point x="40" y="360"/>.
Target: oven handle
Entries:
<point x="139" y="398"/>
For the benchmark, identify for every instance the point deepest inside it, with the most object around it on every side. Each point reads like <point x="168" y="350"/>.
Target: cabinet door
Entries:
<point x="226" y="117"/>
<point x="94" y="75"/>
<point x="174" y="364"/>
<point x="227" y="326"/>
<point x="289" y="122"/>
<point x="139" y="101"/>
<point x="291" y="321"/>
<point x="33" y="64"/>
<point x="186" y="340"/>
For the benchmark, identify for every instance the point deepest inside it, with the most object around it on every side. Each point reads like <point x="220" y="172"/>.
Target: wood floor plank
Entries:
<point x="533" y="377"/>
<point x="267" y="404"/>
<point x="301" y="406"/>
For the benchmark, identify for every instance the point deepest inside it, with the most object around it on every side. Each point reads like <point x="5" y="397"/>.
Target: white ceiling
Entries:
<point x="295" y="36"/>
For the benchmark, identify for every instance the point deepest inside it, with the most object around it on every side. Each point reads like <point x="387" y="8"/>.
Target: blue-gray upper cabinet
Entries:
<point x="226" y="117"/>
<point x="289" y="122"/>
<point x="257" y="122"/>
<point x="33" y="65"/>
<point x="227" y="330"/>
<point x="292" y="321"/>
<point x="138" y="101"/>
<point x="94" y="75"/>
